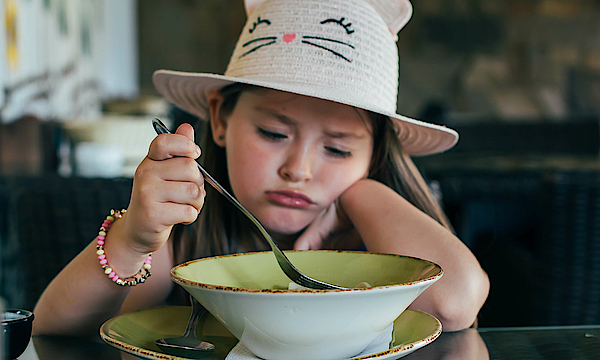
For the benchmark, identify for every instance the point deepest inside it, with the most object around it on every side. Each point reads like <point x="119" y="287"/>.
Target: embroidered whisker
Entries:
<point x="324" y="48"/>
<point x="259" y="39"/>
<point x="326" y="39"/>
<point x="256" y="48"/>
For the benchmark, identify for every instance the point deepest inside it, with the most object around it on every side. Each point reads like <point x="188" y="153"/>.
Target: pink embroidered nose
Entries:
<point x="288" y="38"/>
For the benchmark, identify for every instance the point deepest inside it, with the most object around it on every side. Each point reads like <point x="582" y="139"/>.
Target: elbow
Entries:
<point x="459" y="310"/>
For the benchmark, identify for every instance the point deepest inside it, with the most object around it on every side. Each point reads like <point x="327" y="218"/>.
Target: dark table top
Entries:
<point x="548" y="343"/>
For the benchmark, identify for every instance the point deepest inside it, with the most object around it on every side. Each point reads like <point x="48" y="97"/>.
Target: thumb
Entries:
<point x="309" y="240"/>
<point x="186" y="130"/>
<point x="302" y="243"/>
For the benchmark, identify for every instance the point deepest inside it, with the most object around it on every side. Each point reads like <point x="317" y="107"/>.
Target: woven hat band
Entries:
<point x="321" y="45"/>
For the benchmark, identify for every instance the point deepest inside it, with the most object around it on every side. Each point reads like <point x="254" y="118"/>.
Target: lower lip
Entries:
<point x="288" y="201"/>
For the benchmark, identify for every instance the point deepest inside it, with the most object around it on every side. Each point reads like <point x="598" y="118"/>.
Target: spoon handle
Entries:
<point x="197" y="311"/>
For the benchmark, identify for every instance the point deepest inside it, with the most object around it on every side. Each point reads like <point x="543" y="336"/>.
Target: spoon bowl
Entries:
<point x="188" y="345"/>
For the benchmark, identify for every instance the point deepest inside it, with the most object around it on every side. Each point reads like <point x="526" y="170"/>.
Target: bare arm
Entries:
<point x="390" y="224"/>
<point x="167" y="189"/>
<point x="82" y="297"/>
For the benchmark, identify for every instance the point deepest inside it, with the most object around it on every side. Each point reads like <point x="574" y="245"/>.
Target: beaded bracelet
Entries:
<point x="140" y="276"/>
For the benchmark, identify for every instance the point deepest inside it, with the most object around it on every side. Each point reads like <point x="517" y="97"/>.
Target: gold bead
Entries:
<point x="102" y="233"/>
<point x="119" y="282"/>
<point x="110" y="218"/>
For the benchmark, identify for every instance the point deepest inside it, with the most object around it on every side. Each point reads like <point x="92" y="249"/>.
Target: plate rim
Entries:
<point x="150" y="354"/>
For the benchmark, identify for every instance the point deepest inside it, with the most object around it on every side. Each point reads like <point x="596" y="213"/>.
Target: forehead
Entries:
<point x="299" y="107"/>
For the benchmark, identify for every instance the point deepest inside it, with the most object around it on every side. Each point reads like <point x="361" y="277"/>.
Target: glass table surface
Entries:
<point x="543" y="343"/>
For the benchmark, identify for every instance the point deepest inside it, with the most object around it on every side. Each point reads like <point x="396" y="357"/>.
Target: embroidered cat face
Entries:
<point x="343" y="36"/>
<point x="314" y="47"/>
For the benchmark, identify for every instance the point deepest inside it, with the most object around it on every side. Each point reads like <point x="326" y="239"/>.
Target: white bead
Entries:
<point x="100" y="252"/>
<point x="107" y="270"/>
<point x="147" y="266"/>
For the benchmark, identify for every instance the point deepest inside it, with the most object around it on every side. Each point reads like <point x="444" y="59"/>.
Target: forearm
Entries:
<point x="390" y="224"/>
<point x="82" y="297"/>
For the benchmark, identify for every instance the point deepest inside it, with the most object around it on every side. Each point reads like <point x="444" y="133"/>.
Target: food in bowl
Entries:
<point x="248" y="293"/>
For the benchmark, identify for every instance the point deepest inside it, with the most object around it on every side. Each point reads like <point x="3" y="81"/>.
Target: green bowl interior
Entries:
<point x="261" y="271"/>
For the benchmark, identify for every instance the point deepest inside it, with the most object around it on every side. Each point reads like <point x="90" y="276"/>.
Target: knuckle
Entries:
<point x="161" y="141"/>
<point x="141" y="170"/>
<point x="191" y="168"/>
<point x="190" y="213"/>
<point x="193" y="190"/>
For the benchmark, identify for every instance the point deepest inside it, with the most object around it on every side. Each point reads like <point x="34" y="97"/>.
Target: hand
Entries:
<point x="168" y="189"/>
<point x="331" y="220"/>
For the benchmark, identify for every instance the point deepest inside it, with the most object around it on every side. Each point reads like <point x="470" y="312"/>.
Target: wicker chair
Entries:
<point x="49" y="221"/>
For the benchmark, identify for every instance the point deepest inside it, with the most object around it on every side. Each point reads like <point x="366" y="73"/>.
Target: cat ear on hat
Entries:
<point x="251" y="5"/>
<point x="395" y="13"/>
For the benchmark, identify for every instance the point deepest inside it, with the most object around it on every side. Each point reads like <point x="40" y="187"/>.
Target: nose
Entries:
<point x="298" y="165"/>
<point x="288" y="38"/>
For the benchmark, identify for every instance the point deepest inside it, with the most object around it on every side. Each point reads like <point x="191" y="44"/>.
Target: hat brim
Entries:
<point x="189" y="91"/>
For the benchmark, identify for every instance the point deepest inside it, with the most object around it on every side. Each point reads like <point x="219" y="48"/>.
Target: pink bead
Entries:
<point x="115" y="278"/>
<point x="103" y="262"/>
<point x="100" y="237"/>
<point x="106" y="224"/>
<point x="100" y="242"/>
<point x="100" y="257"/>
<point x="149" y="257"/>
<point x="112" y="275"/>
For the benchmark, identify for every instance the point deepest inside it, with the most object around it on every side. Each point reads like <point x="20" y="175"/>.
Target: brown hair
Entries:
<point x="222" y="229"/>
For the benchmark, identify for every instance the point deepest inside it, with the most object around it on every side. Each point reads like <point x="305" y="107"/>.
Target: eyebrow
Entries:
<point x="290" y="121"/>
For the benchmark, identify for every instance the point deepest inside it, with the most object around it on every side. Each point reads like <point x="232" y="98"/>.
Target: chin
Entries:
<point x="285" y="226"/>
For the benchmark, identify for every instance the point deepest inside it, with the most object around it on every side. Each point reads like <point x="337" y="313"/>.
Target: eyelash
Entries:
<point x="276" y="137"/>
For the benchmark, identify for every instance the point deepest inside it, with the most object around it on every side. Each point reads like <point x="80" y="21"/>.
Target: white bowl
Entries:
<point x="248" y="294"/>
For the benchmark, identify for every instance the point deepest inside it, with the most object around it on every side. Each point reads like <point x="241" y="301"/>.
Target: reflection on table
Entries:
<point x="544" y="343"/>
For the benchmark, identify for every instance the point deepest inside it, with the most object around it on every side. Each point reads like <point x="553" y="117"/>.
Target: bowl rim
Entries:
<point x="181" y="281"/>
<point x="28" y="316"/>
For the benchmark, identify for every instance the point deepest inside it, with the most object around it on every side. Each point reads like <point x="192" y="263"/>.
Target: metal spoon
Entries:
<point x="188" y="345"/>
<point x="290" y="270"/>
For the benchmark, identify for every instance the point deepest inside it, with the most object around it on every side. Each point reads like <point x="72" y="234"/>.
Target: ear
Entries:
<point x="218" y="123"/>
<point x="251" y="5"/>
<point x="395" y="13"/>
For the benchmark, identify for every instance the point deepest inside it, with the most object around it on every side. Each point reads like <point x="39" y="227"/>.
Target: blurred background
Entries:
<point x="519" y="80"/>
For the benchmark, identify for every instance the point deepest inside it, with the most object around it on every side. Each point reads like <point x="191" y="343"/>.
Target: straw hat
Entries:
<point x="339" y="50"/>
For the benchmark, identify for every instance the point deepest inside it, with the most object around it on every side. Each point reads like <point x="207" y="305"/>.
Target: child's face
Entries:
<point x="290" y="156"/>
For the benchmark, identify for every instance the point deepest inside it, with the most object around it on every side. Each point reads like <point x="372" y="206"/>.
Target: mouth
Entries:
<point x="290" y="198"/>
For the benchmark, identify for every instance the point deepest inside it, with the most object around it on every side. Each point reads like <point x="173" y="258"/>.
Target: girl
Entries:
<point x="303" y="130"/>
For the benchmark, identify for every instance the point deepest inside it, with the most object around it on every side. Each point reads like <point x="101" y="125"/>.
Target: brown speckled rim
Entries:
<point x="180" y="280"/>
<point x="406" y="347"/>
<point x="134" y="350"/>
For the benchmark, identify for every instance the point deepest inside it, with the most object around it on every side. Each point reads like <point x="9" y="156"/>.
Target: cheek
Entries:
<point x="247" y="165"/>
<point x="337" y="179"/>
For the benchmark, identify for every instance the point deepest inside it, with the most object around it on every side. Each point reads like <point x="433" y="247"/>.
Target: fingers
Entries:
<point x="180" y="144"/>
<point x="186" y="130"/>
<point x="176" y="180"/>
<point x="311" y="239"/>
<point x="184" y="193"/>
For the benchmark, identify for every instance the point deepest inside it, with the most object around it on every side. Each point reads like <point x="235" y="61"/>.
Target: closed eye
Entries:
<point x="270" y="135"/>
<point x="340" y="22"/>
<point x="337" y="152"/>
